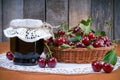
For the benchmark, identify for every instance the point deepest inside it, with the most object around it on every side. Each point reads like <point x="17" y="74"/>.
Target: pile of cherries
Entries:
<point x="97" y="66"/>
<point x="86" y="39"/>
<point x="42" y="62"/>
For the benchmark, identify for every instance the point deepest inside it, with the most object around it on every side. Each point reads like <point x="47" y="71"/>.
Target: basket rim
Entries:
<point x="82" y="49"/>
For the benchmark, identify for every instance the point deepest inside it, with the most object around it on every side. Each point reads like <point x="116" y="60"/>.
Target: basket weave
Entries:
<point x="79" y="55"/>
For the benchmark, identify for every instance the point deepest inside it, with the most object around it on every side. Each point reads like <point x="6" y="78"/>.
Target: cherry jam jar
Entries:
<point x="27" y="39"/>
<point x="26" y="53"/>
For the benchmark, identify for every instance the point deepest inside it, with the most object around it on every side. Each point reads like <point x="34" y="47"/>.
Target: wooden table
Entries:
<point x="6" y="74"/>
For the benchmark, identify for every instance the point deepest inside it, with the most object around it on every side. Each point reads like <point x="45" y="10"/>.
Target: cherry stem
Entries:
<point x="48" y="49"/>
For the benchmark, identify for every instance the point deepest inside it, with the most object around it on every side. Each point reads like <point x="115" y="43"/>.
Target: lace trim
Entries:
<point x="61" y="68"/>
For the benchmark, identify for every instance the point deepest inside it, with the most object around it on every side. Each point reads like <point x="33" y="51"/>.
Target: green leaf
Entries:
<point x="72" y="39"/>
<point x="87" y="29"/>
<point x="64" y="27"/>
<point x="65" y="46"/>
<point x="90" y="47"/>
<point x="100" y="33"/>
<point x="110" y="57"/>
<point x="85" y="25"/>
<point x="75" y="37"/>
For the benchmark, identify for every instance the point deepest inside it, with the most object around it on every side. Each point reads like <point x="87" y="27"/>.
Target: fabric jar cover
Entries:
<point x="29" y="30"/>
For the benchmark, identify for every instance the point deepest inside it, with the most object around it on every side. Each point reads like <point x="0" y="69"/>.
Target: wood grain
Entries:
<point x="78" y="10"/>
<point x="0" y="20"/>
<point x="12" y="9"/>
<point x="102" y="11"/>
<point x="117" y="19"/>
<point x="56" y="11"/>
<point x="34" y="9"/>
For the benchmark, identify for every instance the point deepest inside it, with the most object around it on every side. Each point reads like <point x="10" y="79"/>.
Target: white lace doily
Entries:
<point x="61" y="68"/>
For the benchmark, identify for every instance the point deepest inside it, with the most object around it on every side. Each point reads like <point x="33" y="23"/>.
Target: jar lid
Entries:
<point x="29" y="30"/>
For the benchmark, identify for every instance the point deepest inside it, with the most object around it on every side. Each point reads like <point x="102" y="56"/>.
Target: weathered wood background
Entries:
<point x="57" y="11"/>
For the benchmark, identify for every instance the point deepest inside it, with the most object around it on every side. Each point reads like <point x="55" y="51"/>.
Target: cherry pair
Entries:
<point x="51" y="62"/>
<point x="98" y="66"/>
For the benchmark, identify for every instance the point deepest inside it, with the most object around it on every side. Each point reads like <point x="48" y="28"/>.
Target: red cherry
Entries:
<point x="60" y="41"/>
<point x="86" y="40"/>
<point x="104" y="38"/>
<point x="76" y="29"/>
<point x="108" y="43"/>
<point x="9" y="55"/>
<point x="51" y="62"/>
<point x="71" y="43"/>
<point x="96" y="66"/>
<point x="60" y="32"/>
<point x="81" y="32"/>
<point x="91" y="35"/>
<point x="98" y="43"/>
<point x="107" y="67"/>
<point x="42" y="62"/>
<point x="79" y="44"/>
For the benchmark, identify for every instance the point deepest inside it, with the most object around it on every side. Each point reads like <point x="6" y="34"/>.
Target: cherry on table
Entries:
<point x="107" y="67"/>
<point x="9" y="55"/>
<point x="42" y="62"/>
<point x="96" y="66"/>
<point x="51" y="62"/>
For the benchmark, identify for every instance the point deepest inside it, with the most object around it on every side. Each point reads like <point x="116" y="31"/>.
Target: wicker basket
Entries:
<point x="80" y="55"/>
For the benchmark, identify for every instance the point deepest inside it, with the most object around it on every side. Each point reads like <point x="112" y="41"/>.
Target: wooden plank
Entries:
<point x="56" y="11"/>
<point x="12" y="9"/>
<point x="78" y="10"/>
<point x="102" y="12"/>
<point x="117" y="19"/>
<point x="34" y="9"/>
<point x="0" y="20"/>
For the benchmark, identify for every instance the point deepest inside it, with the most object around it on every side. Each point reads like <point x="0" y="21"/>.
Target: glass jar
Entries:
<point x="26" y="53"/>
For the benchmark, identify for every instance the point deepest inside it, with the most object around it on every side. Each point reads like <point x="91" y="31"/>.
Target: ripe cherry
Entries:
<point x="107" y="67"/>
<point x="79" y="44"/>
<point x="108" y="43"/>
<point x="98" y="43"/>
<point x="60" y="40"/>
<point x="86" y="40"/>
<point x="104" y="38"/>
<point x="96" y="66"/>
<point x="42" y="62"/>
<point x="91" y="36"/>
<point x="51" y="62"/>
<point x="76" y="29"/>
<point x="71" y="43"/>
<point x="9" y="55"/>
<point x="60" y="32"/>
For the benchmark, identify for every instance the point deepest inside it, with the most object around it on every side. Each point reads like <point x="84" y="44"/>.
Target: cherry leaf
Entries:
<point x="110" y="57"/>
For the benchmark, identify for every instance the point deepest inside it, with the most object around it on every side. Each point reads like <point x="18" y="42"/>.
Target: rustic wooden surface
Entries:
<point x="0" y="20"/>
<point x="57" y="11"/>
<point x="117" y="20"/>
<point x="34" y="9"/>
<point x="102" y="12"/>
<point x="78" y="10"/>
<point x="12" y="9"/>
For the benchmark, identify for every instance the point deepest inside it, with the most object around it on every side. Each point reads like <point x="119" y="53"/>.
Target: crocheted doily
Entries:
<point x="29" y="30"/>
<point x="61" y="68"/>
